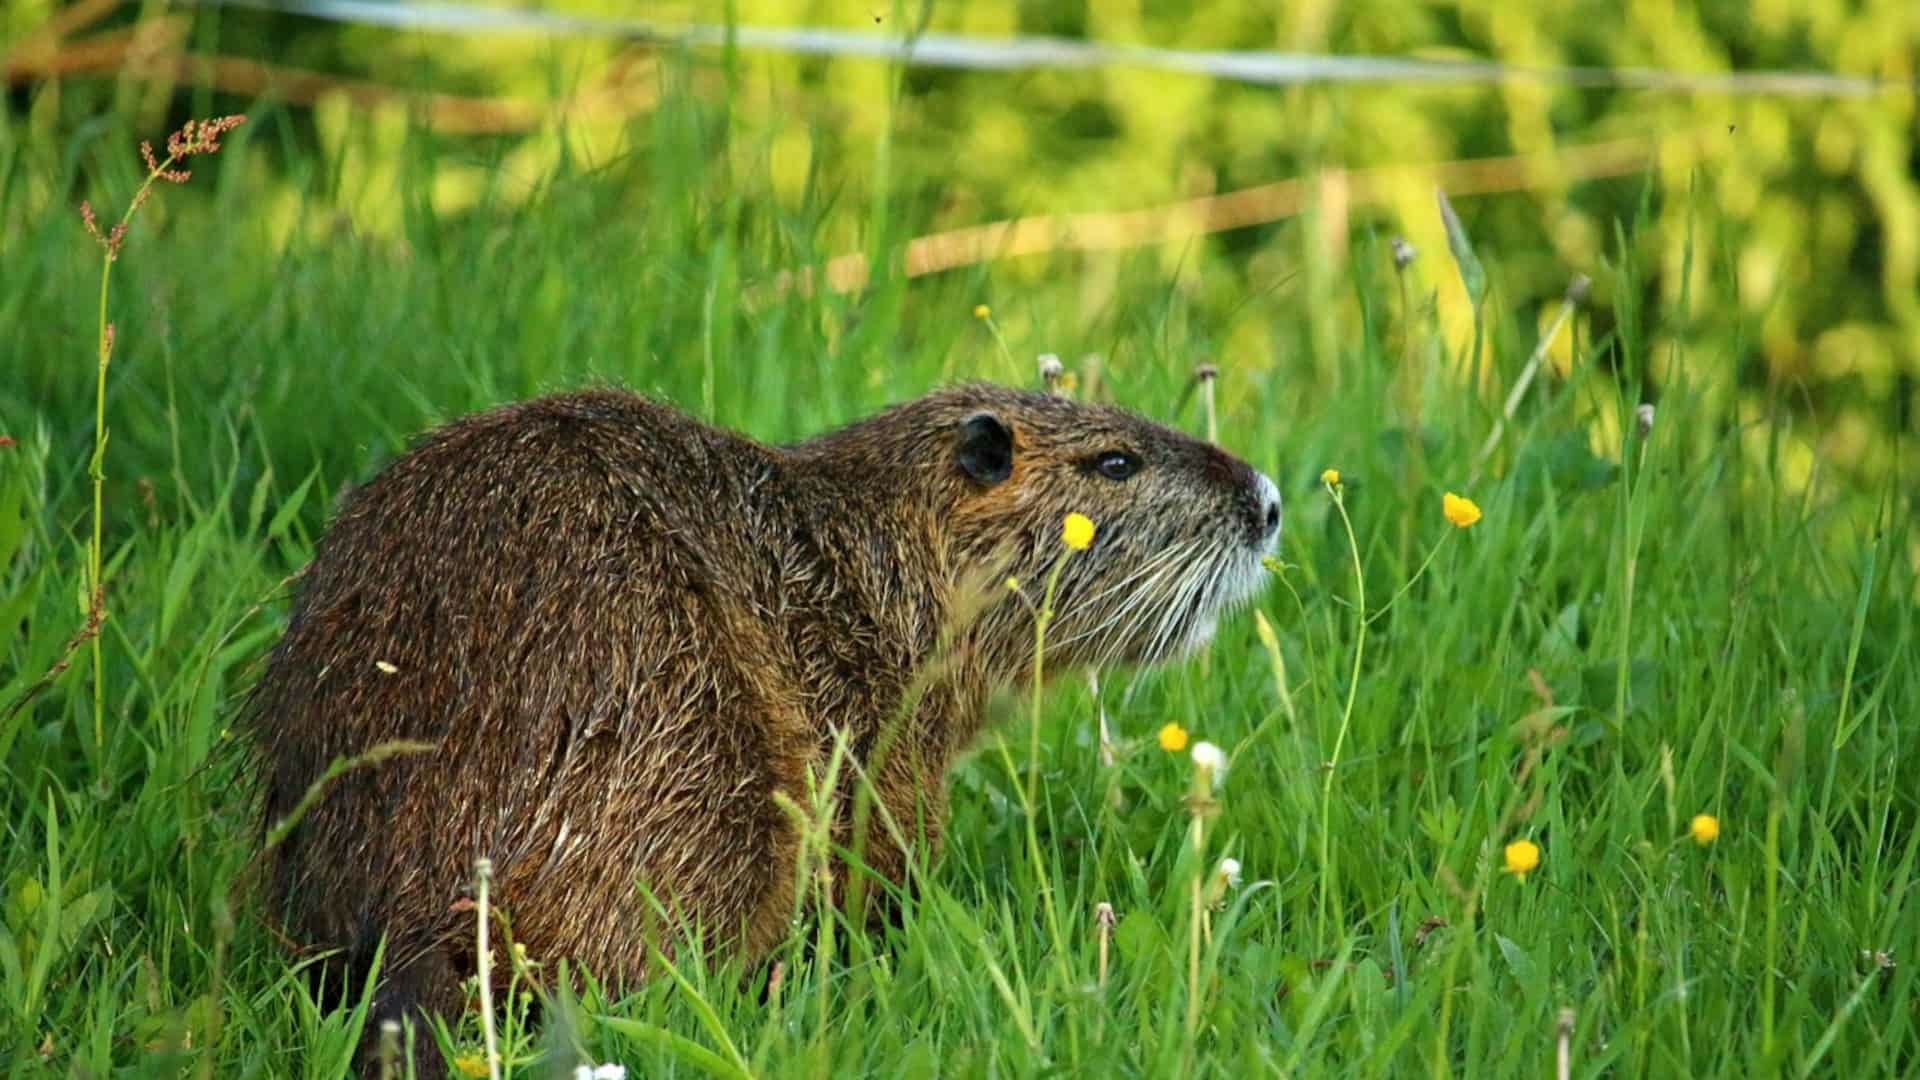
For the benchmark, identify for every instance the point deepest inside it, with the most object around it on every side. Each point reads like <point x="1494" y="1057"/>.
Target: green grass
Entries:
<point x="1607" y="653"/>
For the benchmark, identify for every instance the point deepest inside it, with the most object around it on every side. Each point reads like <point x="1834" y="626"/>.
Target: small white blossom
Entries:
<point x="1208" y="756"/>
<point x="600" y="1072"/>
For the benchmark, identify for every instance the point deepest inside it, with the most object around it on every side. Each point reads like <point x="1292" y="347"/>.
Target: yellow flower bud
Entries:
<point x="1077" y="531"/>
<point x="1705" y="829"/>
<point x="1523" y="858"/>
<point x="1459" y="510"/>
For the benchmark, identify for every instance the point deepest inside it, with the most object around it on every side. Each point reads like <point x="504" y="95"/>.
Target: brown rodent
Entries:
<point x="625" y="630"/>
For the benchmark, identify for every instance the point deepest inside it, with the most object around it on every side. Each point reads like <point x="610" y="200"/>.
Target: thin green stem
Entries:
<point x="1198" y="835"/>
<point x="1346" y="714"/>
<point x="1402" y="591"/>
<point x="1030" y="791"/>
<point x="483" y="876"/>
<point x="96" y="469"/>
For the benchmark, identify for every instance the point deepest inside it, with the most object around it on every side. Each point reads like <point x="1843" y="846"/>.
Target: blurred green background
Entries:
<point x="1811" y="202"/>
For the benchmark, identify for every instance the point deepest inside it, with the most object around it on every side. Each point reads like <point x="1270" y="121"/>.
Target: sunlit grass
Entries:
<point x="1626" y="738"/>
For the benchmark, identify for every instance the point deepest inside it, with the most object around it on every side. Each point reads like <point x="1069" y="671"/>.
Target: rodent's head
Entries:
<point x="1180" y="526"/>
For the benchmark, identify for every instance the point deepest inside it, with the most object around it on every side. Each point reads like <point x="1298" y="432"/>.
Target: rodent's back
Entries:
<point x="548" y="592"/>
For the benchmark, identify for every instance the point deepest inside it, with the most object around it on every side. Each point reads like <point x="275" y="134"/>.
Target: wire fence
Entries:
<point x="975" y="53"/>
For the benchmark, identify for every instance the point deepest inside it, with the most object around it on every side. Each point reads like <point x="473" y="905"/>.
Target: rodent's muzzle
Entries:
<point x="1262" y="507"/>
<point x="1255" y="497"/>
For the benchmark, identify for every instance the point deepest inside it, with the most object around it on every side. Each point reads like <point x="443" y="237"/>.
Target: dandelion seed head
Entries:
<point x="1208" y="756"/>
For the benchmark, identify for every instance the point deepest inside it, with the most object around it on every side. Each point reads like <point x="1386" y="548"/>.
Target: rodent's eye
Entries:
<point x="1117" y="465"/>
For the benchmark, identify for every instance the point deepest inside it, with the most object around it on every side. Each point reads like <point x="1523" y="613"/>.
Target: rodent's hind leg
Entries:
<point x="426" y="985"/>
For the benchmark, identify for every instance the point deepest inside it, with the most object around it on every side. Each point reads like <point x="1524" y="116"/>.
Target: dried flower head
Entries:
<point x="110" y="239"/>
<point x="1578" y="288"/>
<point x="1705" y="829"/>
<point x="1103" y="914"/>
<point x="1050" y="367"/>
<point x="196" y="138"/>
<point x="1173" y="738"/>
<point x="1208" y="765"/>
<point x="1077" y="531"/>
<point x="1208" y="756"/>
<point x="1403" y="252"/>
<point x="1230" y="872"/>
<point x="1643" y="419"/>
<point x="1523" y="858"/>
<point x="1461" y="511"/>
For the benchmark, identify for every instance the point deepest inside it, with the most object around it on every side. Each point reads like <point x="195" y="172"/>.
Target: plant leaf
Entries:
<point x="1471" y="273"/>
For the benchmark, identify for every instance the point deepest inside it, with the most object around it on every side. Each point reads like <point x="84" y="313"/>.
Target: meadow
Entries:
<point x="1617" y="778"/>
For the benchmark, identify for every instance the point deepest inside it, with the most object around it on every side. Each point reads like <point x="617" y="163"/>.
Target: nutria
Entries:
<point x="625" y="631"/>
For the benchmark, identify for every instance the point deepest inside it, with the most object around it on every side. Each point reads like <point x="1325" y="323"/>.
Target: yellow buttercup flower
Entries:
<point x="1173" y="738"/>
<point x="981" y="311"/>
<point x="1077" y="531"/>
<point x="1705" y="829"/>
<point x="1523" y="858"/>
<point x="471" y="1063"/>
<point x="1330" y="477"/>
<point x="1459" y="510"/>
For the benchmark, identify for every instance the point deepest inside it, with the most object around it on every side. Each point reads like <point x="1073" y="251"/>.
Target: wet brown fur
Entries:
<point x="624" y="630"/>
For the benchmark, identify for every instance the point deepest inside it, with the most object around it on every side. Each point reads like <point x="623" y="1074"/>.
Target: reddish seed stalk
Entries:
<point x="197" y="137"/>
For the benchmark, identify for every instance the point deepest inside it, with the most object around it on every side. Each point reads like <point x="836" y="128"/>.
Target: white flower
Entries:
<point x="1230" y="872"/>
<point x="1208" y="756"/>
<point x="600" y="1072"/>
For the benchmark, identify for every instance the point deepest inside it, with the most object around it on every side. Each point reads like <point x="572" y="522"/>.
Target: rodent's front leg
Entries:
<point x="895" y="834"/>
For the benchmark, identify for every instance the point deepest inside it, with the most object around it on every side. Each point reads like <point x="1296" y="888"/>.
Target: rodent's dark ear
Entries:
<point x="985" y="448"/>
